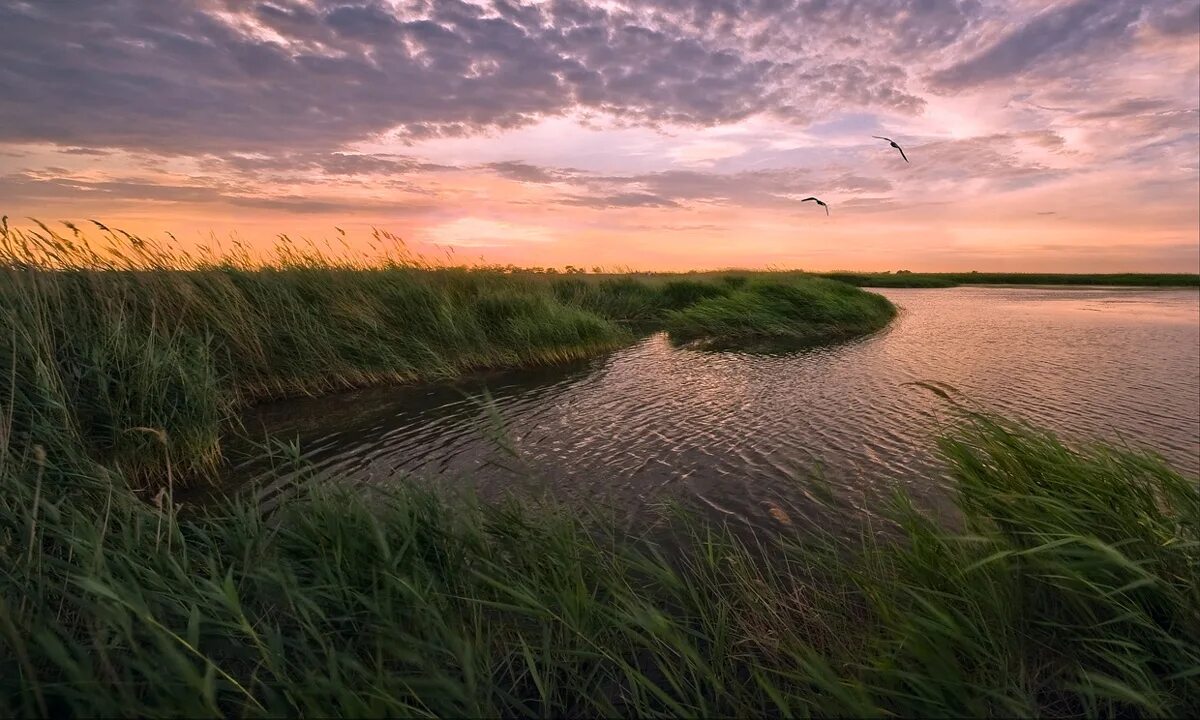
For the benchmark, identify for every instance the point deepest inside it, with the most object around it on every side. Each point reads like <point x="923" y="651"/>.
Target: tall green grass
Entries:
<point x="138" y="352"/>
<point x="644" y="302"/>
<point x="96" y="355"/>
<point x="1072" y="588"/>
<point x="764" y="310"/>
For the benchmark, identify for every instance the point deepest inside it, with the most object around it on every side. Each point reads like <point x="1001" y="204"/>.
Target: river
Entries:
<point x="735" y="434"/>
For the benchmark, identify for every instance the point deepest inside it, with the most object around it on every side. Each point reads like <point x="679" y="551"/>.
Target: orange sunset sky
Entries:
<point x="1043" y="135"/>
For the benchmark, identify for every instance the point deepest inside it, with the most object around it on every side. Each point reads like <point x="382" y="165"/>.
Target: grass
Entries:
<point x="96" y="355"/>
<point x="889" y="280"/>
<point x="120" y="346"/>
<point x="1071" y="589"/>
<point x="941" y="280"/>
<point x="766" y="310"/>
<point x="645" y="301"/>
<point x="1068" y="587"/>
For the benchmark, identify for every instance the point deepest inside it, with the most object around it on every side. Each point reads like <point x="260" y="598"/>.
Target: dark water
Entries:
<point x="730" y="433"/>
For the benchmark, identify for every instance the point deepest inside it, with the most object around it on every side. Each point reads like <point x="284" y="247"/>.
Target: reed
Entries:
<point x="770" y="311"/>
<point x="1068" y="588"/>
<point x="106" y="337"/>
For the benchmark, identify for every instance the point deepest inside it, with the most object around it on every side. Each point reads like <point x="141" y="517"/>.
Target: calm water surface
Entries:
<point x="730" y="432"/>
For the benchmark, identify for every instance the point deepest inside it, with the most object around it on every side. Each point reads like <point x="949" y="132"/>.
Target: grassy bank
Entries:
<point x="1072" y="590"/>
<point x="940" y="280"/>
<point x="136" y="354"/>
<point x="97" y="355"/>
<point x="769" y="311"/>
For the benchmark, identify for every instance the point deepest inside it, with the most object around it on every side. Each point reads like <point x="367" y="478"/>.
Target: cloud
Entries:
<point x="1067" y="32"/>
<point x="706" y="152"/>
<point x="621" y="200"/>
<point x="524" y="172"/>
<point x="219" y="76"/>
<point x="1125" y="108"/>
<point x="679" y="188"/>
<point x="997" y="160"/>
<point x="481" y="232"/>
<point x="1177" y="19"/>
<point x="332" y="164"/>
<point x="31" y="188"/>
<point x="702" y="115"/>
<point x="85" y="151"/>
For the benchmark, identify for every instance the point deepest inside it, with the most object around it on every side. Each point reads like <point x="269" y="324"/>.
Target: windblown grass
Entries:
<point x="644" y="302"/>
<point x="1072" y="591"/>
<point x="96" y="355"/>
<point x="138" y="352"/>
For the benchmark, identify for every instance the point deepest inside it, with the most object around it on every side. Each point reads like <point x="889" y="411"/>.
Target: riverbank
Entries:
<point x="1071" y="590"/>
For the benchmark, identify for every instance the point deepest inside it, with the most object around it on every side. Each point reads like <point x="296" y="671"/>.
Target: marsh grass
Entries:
<point x="766" y="311"/>
<point x="1071" y="589"/>
<point x="139" y="352"/>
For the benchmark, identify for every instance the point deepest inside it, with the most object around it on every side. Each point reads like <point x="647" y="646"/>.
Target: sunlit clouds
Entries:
<point x="660" y="134"/>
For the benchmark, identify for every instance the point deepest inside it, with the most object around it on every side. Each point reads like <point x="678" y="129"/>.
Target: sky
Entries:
<point x="1043" y="135"/>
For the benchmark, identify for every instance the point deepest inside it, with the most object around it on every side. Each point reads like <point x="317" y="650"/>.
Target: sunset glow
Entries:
<point x="1043" y="135"/>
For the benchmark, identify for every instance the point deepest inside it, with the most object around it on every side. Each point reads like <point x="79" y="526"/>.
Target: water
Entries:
<point x="730" y="433"/>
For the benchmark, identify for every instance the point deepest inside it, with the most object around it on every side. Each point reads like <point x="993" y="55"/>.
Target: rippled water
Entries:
<point x="730" y="432"/>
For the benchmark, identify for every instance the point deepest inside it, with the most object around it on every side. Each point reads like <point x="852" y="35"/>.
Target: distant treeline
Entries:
<point x="900" y="279"/>
<point x="935" y="280"/>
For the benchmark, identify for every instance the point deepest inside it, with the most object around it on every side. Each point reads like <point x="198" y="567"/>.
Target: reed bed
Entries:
<point x="1071" y="589"/>
<point x="121" y="344"/>
<point x="769" y="311"/>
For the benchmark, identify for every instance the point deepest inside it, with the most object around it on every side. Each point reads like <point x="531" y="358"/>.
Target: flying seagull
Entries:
<point x="819" y="202"/>
<point x="893" y="144"/>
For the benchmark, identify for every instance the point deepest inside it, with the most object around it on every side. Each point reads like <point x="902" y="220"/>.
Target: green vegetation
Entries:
<point x="732" y="310"/>
<point x="121" y="345"/>
<point x="905" y="279"/>
<point x="1072" y="590"/>
<point x="890" y="280"/>
<point x="1122" y="279"/>
<point x="95" y="355"/>
<point x="1069" y="586"/>
<point x="767" y="311"/>
<point x="645" y="301"/>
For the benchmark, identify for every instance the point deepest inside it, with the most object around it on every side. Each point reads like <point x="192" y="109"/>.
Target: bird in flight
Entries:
<point x="819" y="202"/>
<point x="893" y="144"/>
